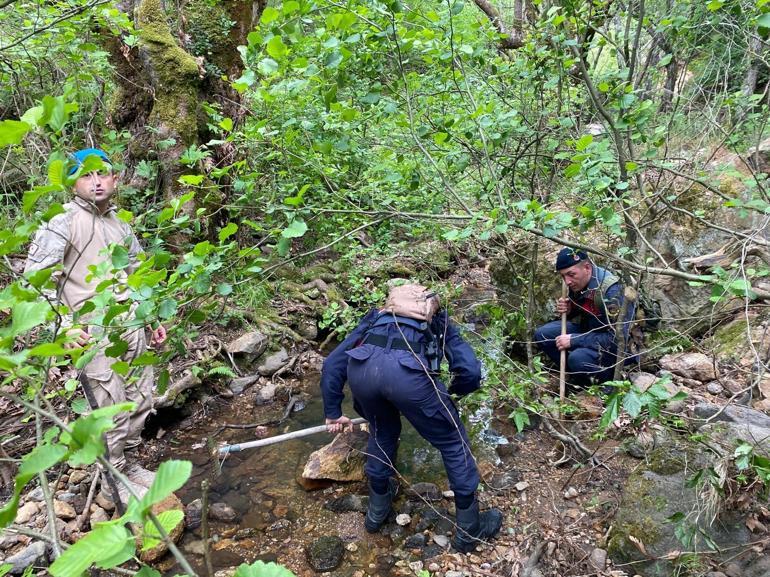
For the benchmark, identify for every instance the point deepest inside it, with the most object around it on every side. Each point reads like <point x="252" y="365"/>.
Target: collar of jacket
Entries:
<point x="91" y="207"/>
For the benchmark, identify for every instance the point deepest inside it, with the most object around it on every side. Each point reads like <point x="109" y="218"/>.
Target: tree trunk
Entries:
<point x="164" y="78"/>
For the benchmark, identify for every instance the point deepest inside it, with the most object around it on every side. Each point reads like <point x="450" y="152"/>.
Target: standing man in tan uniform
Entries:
<point x="81" y="237"/>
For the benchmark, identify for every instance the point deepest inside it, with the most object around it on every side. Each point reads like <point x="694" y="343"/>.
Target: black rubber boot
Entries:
<point x="473" y="527"/>
<point x="379" y="508"/>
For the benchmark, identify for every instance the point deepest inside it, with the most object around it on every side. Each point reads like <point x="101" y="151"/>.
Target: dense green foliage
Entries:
<point x="393" y="123"/>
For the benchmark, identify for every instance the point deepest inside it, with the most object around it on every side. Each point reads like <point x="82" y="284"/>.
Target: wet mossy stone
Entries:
<point x="326" y="553"/>
<point x="347" y="503"/>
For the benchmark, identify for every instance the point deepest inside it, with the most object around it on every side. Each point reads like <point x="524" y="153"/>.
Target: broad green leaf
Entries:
<point x="12" y="132"/>
<point x="171" y="476"/>
<point x="105" y="541"/>
<point x="168" y="520"/>
<point x="120" y="258"/>
<point x="56" y="174"/>
<point x="147" y="571"/>
<point x="167" y="308"/>
<point x="611" y="412"/>
<point x="276" y="48"/>
<point x="266" y="66"/>
<point x="224" y="289"/>
<point x="38" y="460"/>
<point x="583" y="142"/>
<point x="262" y="569"/>
<point x="296" y="229"/>
<point x="269" y="14"/>
<point x="226" y="124"/>
<point x="228" y="231"/>
<point x="27" y="315"/>
<point x="191" y="179"/>
<point x="632" y="403"/>
<point x="764" y="20"/>
<point x="86" y="439"/>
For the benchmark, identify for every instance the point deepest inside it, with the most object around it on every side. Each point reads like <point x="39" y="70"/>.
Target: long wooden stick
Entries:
<point x="279" y="438"/>
<point x="563" y="355"/>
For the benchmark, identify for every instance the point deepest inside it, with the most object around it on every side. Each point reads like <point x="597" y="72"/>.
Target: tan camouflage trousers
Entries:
<point x="110" y="388"/>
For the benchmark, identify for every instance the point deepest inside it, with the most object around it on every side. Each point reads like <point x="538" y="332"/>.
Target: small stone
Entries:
<point x="598" y="559"/>
<point x="715" y="388"/>
<point x="33" y="554"/>
<point x="35" y="494"/>
<point x="448" y="494"/>
<point x="570" y="493"/>
<point x="453" y="574"/>
<point x="572" y="513"/>
<point x="352" y="547"/>
<point x="193" y="512"/>
<point x="433" y="567"/>
<point x="416" y="566"/>
<point x="403" y="520"/>
<point x="715" y="574"/>
<point x="98" y="515"/>
<point x="104" y="502"/>
<point x="426" y="491"/>
<point x="222" y="512"/>
<point x="325" y="554"/>
<point x="441" y="540"/>
<point x="196" y="547"/>
<point x="64" y="510"/>
<point x="416" y="541"/>
<point x="77" y="476"/>
<point x="238" y="385"/>
<point x="521" y="486"/>
<point x="733" y="570"/>
<point x="26" y="512"/>
<point x="66" y="496"/>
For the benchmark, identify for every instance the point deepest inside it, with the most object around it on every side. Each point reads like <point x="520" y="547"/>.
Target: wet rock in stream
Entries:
<point x="348" y="503"/>
<point x="326" y="553"/>
<point x="222" y="512"/>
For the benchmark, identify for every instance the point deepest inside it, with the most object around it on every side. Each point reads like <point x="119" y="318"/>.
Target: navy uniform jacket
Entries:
<point x="465" y="367"/>
<point x="597" y="331"/>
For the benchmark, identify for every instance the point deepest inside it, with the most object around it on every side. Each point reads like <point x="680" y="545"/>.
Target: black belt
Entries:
<point x="400" y="344"/>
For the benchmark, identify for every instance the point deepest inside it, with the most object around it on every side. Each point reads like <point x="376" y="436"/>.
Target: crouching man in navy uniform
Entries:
<point x="391" y="363"/>
<point x="594" y="302"/>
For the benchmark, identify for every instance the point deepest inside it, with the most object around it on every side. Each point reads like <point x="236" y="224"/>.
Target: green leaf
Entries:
<point x="192" y="179"/>
<point x="611" y="412"/>
<point x="276" y="48"/>
<point x="666" y="60"/>
<point x="764" y="20"/>
<point x="267" y="66"/>
<point x="457" y="7"/>
<point x="147" y="571"/>
<point x="56" y="174"/>
<point x="583" y="142"/>
<point x="224" y="289"/>
<point x="86" y="439"/>
<point x="226" y="124"/>
<point x="167" y="308"/>
<point x="632" y="403"/>
<point x="296" y="229"/>
<point x="269" y="15"/>
<point x="262" y="569"/>
<point x="120" y="259"/>
<point x="105" y="541"/>
<point x="228" y="231"/>
<point x="171" y="476"/>
<point x="27" y="315"/>
<point x="36" y="461"/>
<point x="12" y="132"/>
<point x="168" y="520"/>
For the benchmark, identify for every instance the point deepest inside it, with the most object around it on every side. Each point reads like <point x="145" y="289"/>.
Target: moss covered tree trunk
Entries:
<point x="163" y="80"/>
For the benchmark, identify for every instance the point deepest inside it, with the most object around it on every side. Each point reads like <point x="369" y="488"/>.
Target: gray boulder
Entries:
<point x="273" y="363"/>
<point x="691" y="366"/>
<point x="252" y="344"/>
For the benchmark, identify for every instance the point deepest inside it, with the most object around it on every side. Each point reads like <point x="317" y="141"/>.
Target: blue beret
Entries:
<point x="80" y="156"/>
<point x="568" y="257"/>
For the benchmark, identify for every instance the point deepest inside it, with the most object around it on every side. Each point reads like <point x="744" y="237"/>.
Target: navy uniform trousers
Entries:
<point x="387" y="383"/>
<point x="582" y="362"/>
